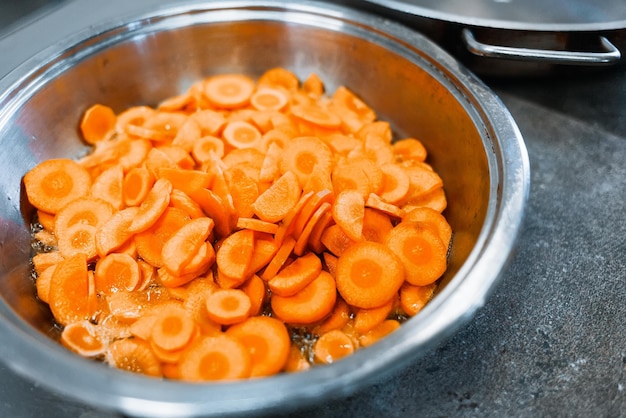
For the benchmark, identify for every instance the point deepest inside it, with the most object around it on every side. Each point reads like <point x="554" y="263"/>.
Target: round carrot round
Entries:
<point x="369" y="274"/>
<point x="133" y="355"/>
<point x="173" y="327"/>
<point x="229" y="90"/>
<point x="115" y="272"/>
<point x="228" y="306"/>
<point x="215" y="358"/>
<point x="81" y="337"/>
<point x="97" y="122"/>
<point x="332" y="346"/>
<point x="310" y="304"/>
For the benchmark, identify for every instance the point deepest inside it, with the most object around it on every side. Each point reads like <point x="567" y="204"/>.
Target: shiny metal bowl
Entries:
<point x="472" y="139"/>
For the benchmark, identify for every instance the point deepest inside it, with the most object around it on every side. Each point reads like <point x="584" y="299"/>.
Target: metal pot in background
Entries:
<point x="472" y="139"/>
<point x="511" y="38"/>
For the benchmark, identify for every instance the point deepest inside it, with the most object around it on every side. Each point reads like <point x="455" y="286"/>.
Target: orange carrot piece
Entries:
<point x="215" y="358"/>
<point x="109" y="186"/>
<point x="279" y="259"/>
<point x="188" y="181"/>
<point x="206" y="148"/>
<point x="116" y="272"/>
<point x="150" y="242"/>
<point x="213" y="206"/>
<point x="182" y="201"/>
<point x="378" y="332"/>
<point x="288" y="223"/>
<point x="414" y="298"/>
<point x="243" y="189"/>
<point x="78" y="239"/>
<point x="311" y="206"/>
<point x="235" y="254"/>
<point x="202" y="260"/>
<point x="376" y="225"/>
<point x="409" y="150"/>
<point x="310" y="304"/>
<point x="42" y="284"/>
<point x="369" y="274"/>
<point x="133" y="355"/>
<point x="366" y="319"/>
<point x="330" y="263"/>
<point x="434" y="218"/>
<point x="97" y="122"/>
<point x="332" y="346"/>
<point x="279" y="77"/>
<point x="265" y="248"/>
<point x="435" y="200"/>
<point x="420" y="250"/>
<point x="46" y="220"/>
<point x="85" y="210"/>
<point x="268" y="342"/>
<point x="257" y="225"/>
<point x="69" y="296"/>
<point x="242" y="134"/>
<point x="336" y="240"/>
<point x="228" y="306"/>
<point x="152" y="206"/>
<point x="114" y="233"/>
<point x="301" y="155"/>
<point x="396" y="183"/>
<point x="228" y="91"/>
<point x="137" y="183"/>
<point x="181" y="247"/>
<point x="254" y="287"/>
<point x="337" y="319"/>
<point x="375" y="202"/>
<point x="313" y="85"/>
<point x="171" y="281"/>
<point x="423" y="179"/>
<point x="316" y="115"/>
<point x="82" y="338"/>
<point x="296" y="276"/>
<point x="52" y="184"/>
<point x="267" y="98"/>
<point x="173" y="327"/>
<point x="275" y="203"/>
<point x="302" y="243"/>
<point x="315" y="237"/>
<point x="348" y="212"/>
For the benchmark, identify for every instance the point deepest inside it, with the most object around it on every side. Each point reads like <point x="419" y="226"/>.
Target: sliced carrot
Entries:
<point x="409" y="150"/>
<point x="228" y="90"/>
<point x="420" y="250"/>
<point x="213" y="206"/>
<point x="82" y="338"/>
<point x="184" y="244"/>
<point x="132" y="152"/>
<point x="249" y="156"/>
<point x="316" y="115"/>
<point x="310" y="304"/>
<point x="296" y="276"/>
<point x="97" y="122"/>
<point x="254" y="287"/>
<point x="279" y="77"/>
<point x="117" y="272"/>
<point x="301" y="155"/>
<point x="275" y="203"/>
<point x="268" y="342"/>
<point x="152" y="206"/>
<point x="202" y="260"/>
<point x="188" y="181"/>
<point x="414" y="298"/>
<point x="243" y="189"/>
<point x="332" y="346"/>
<point x="148" y="274"/>
<point x="52" y="184"/>
<point x="228" y="306"/>
<point x="336" y="240"/>
<point x="369" y="274"/>
<point x="359" y="174"/>
<point x="172" y="281"/>
<point x="69" y="296"/>
<point x="257" y="225"/>
<point x="434" y="218"/>
<point x="195" y="304"/>
<point x="173" y="327"/>
<point x="313" y="85"/>
<point x="270" y="169"/>
<point x="376" y="225"/>
<point x="288" y="223"/>
<point x="348" y="212"/>
<point x="150" y="242"/>
<point x="315" y="237"/>
<point x="215" y="358"/>
<point x="302" y="243"/>
<point x="374" y="201"/>
<point x="311" y="206"/>
<point x="204" y="148"/>
<point x="175" y="103"/>
<point x="133" y="355"/>
<point x="235" y="254"/>
<point x="396" y="183"/>
<point x="279" y="259"/>
<point x="342" y="144"/>
<point x="337" y="319"/>
<point x="435" y="200"/>
<point x="84" y="210"/>
<point x="78" y="239"/>
<point x="242" y="134"/>
<point x="366" y="319"/>
<point x="44" y="278"/>
<point x="181" y="158"/>
<point x="422" y="180"/>
<point x="114" y="233"/>
<point x="46" y="220"/>
<point x="378" y="332"/>
<point x="267" y="98"/>
<point x="109" y="186"/>
<point x="46" y="238"/>
<point x="380" y="129"/>
<point x="378" y="150"/>
<point x="265" y="248"/>
<point x="330" y="263"/>
<point x="297" y="360"/>
<point x="182" y="201"/>
<point x="136" y="185"/>
<point x="209" y="121"/>
<point x="354" y="113"/>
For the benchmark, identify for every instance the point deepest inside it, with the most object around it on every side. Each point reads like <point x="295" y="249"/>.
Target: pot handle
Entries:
<point x="609" y="56"/>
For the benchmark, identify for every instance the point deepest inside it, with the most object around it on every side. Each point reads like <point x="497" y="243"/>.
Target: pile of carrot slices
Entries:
<point x="241" y="229"/>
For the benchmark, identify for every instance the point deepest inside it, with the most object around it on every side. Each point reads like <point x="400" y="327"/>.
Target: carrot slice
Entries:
<point x="301" y="155"/>
<point x="188" y="181"/>
<point x="366" y="319"/>
<point x="310" y="304"/>
<point x="136" y="185"/>
<point x="151" y="241"/>
<point x="257" y="225"/>
<point x="241" y="134"/>
<point x="182" y="246"/>
<point x="243" y="189"/>
<point x="420" y="250"/>
<point x="313" y="85"/>
<point x="374" y="201"/>
<point x="376" y="225"/>
<point x="298" y="360"/>
<point x="134" y="356"/>
<point x="315" y="237"/>
<point x="117" y="272"/>
<point x="279" y="259"/>
<point x="348" y="212"/>
<point x="396" y="183"/>
<point x="434" y="218"/>
<point x="409" y="150"/>
<point x="42" y="284"/>
<point x="182" y="201"/>
<point x="265" y="248"/>
<point x="173" y="327"/>
<point x="338" y="318"/>
<point x="435" y="200"/>
<point x="275" y="203"/>
<point x="378" y="332"/>
<point x="235" y="254"/>
<point x="114" y="233"/>
<point x="215" y="358"/>
<point x="422" y="180"/>
<point x="288" y="223"/>
<point x="302" y="243"/>
<point x="206" y="148"/>
<point x="69" y="296"/>
<point x="311" y="206"/>
<point x="332" y="346"/>
<point x="152" y="206"/>
<point x="316" y="115"/>
<point x="78" y="239"/>
<point x="46" y="220"/>
<point x="52" y="184"/>
<point x="85" y="210"/>
<point x="96" y="123"/>
<point x="213" y="206"/>
<point x="202" y="260"/>
<point x="267" y="98"/>
<point x="109" y="186"/>
<point x="279" y="77"/>
<point x="369" y="274"/>
<point x="228" y="306"/>
<point x="171" y="281"/>
<point x="336" y="240"/>
<point x="254" y="287"/>
<point x="82" y="338"/>
<point x="296" y="276"/>
<point x="414" y="298"/>
<point x="228" y="91"/>
<point x="268" y="342"/>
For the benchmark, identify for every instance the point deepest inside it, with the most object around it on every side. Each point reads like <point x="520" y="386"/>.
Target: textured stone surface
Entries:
<point x="551" y="339"/>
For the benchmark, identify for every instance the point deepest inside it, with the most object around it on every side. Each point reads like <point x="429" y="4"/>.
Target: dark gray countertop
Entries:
<point x="551" y="339"/>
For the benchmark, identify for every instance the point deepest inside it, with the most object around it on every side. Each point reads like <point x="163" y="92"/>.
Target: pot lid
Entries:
<point x="538" y="15"/>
